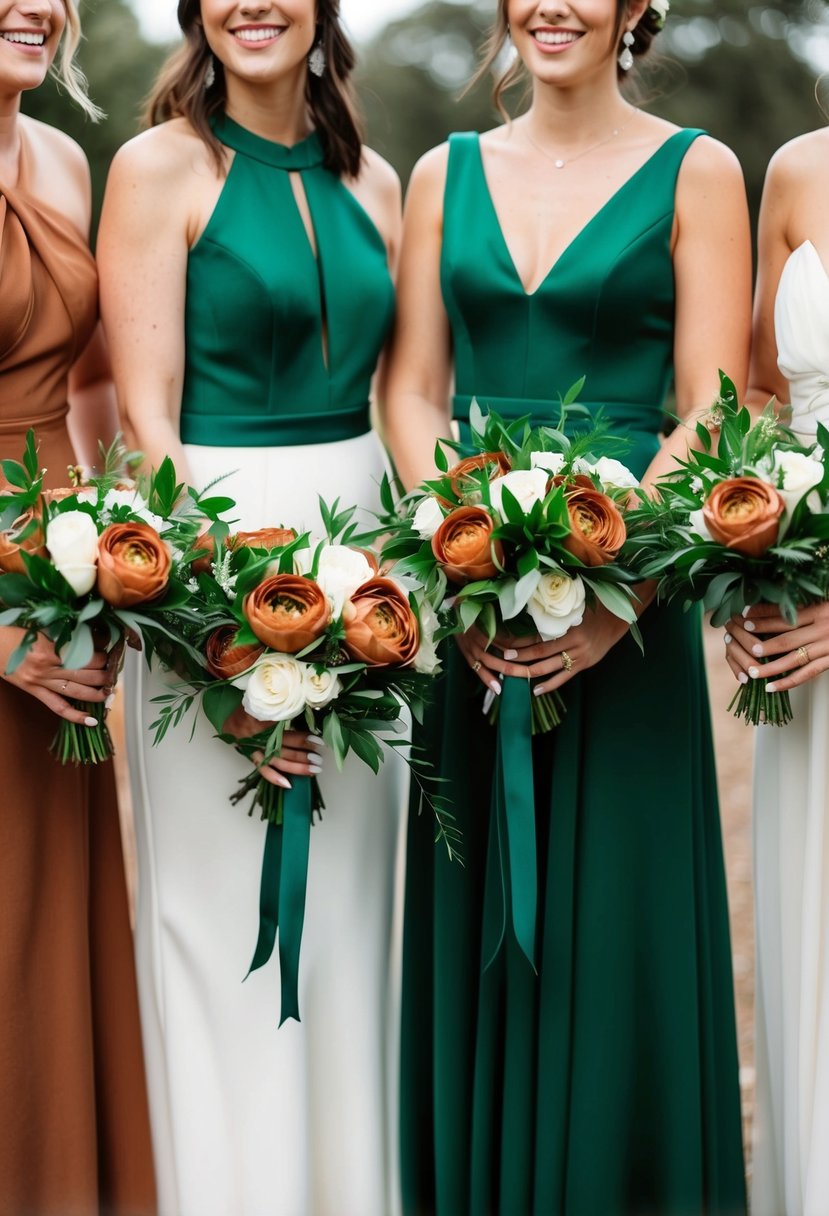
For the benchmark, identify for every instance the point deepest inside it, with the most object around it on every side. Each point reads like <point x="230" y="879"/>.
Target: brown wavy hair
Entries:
<point x="497" y="39"/>
<point x="180" y="89"/>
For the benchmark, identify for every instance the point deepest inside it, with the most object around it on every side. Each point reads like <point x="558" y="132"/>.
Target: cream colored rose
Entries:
<point x="275" y="689"/>
<point x="552" y="462"/>
<point x="72" y="541"/>
<point x="340" y="572"/>
<point x="427" y="660"/>
<point x="136" y="503"/>
<point x="613" y="474"/>
<point x="794" y="475"/>
<point x="698" y="525"/>
<point x="527" y="486"/>
<point x="427" y="518"/>
<point x="320" y="687"/>
<point x="556" y="605"/>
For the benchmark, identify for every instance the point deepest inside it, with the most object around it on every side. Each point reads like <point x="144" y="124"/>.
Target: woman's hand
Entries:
<point x="299" y="753"/>
<point x="797" y="653"/>
<point x="42" y="676"/>
<point x="528" y="658"/>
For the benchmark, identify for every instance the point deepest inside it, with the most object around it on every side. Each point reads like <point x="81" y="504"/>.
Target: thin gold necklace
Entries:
<point x="560" y="162"/>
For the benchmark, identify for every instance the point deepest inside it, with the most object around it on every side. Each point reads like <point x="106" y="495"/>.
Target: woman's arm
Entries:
<point x="420" y="368"/>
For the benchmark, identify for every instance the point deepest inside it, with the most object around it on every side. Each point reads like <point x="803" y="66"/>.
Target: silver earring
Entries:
<point x="626" y="57"/>
<point x="210" y="73"/>
<point x="316" y="61"/>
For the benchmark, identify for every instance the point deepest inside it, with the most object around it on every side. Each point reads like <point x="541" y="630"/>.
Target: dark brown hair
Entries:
<point x="180" y="89"/>
<point x="644" y="33"/>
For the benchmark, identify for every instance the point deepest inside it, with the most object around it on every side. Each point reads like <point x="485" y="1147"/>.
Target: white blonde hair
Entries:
<point x="67" y="72"/>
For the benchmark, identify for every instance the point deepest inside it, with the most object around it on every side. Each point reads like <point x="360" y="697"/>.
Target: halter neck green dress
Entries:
<point x="281" y="341"/>
<point x="607" y="1083"/>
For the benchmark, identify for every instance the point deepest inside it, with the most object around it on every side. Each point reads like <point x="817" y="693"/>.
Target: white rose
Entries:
<point x="795" y="475"/>
<point x="427" y="518"/>
<point x="320" y="687"/>
<point x="698" y="525"/>
<point x="275" y="689"/>
<point x="427" y="661"/>
<point x="135" y="503"/>
<point x="614" y="475"/>
<point x="661" y="8"/>
<point x="556" y="605"/>
<point x="340" y="572"/>
<point x="527" y="486"/>
<point x="553" y="462"/>
<point x="72" y="541"/>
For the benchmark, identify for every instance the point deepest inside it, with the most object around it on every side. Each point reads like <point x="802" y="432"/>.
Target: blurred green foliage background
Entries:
<point x="746" y="72"/>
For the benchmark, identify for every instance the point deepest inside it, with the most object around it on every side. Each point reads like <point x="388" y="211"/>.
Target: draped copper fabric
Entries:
<point x="74" y="1129"/>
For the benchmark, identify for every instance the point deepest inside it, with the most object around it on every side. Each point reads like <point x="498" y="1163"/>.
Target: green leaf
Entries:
<point x="15" y="474"/>
<point x="219" y="701"/>
<point x="80" y="649"/>
<point x="615" y="600"/>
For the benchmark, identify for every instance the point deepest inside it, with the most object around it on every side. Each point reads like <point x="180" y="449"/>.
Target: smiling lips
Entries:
<point x="255" y="34"/>
<point x="555" y="40"/>
<point x="31" y="39"/>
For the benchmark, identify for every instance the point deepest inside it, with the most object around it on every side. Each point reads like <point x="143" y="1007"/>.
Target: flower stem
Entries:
<point x="74" y="744"/>
<point x="759" y="707"/>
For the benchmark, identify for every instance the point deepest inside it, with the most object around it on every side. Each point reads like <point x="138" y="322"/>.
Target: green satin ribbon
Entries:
<point x="282" y="892"/>
<point x="511" y="890"/>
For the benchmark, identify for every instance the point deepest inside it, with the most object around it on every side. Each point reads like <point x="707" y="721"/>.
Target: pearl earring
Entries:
<point x="210" y="74"/>
<point x="316" y="60"/>
<point x="626" y="57"/>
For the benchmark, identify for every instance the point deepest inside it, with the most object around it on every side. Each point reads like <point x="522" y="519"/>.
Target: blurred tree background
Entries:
<point x="745" y="72"/>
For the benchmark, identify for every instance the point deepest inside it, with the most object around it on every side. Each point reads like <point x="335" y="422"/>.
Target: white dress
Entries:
<point x="791" y="827"/>
<point x="249" y="1119"/>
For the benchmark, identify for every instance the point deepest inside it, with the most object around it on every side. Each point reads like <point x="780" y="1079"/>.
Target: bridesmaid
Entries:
<point x="245" y="251"/>
<point x="584" y="238"/>
<point x="74" y="1133"/>
<point x="790" y="360"/>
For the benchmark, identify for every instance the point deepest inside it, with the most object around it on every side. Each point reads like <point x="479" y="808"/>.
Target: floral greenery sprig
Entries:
<point x="89" y="564"/>
<point x="525" y="531"/>
<point x="738" y="524"/>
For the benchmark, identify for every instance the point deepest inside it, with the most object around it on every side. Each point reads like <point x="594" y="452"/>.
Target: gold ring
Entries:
<point x="803" y="655"/>
<point x="567" y="663"/>
<point x="476" y="666"/>
<point x="64" y="685"/>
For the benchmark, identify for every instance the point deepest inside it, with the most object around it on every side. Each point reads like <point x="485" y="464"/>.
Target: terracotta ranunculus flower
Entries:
<point x="133" y="565"/>
<point x="464" y="547"/>
<point x="744" y="514"/>
<point x="10" y="548"/>
<point x="495" y="463"/>
<point x="263" y="538"/>
<point x="225" y="659"/>
<point x="380" y="627"/>
<point x="287" y="612"/>
<point x="598" y="529"/>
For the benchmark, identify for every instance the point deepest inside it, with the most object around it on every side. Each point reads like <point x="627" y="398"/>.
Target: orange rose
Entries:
<point x="380" y="627"/>
<point x="225" y="659"/>
<point x="744" y="514"/>
<point x="464" y="547"/>
<point x="598" y="529"/>
<point x="10" y="549"/>
<point x="263" y="538"/>
<point x="133" y="565"/>
<point x="496" y="464"/>
<point x="287" y="612"/>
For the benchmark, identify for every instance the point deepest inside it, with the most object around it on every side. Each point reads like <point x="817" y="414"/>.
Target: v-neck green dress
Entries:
<point x="607" y="1083"/>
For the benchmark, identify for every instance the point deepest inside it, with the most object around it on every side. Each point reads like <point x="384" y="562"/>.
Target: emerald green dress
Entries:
<point x="607" y="1082"/>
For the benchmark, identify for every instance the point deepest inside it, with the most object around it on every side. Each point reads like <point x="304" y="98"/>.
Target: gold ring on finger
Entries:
<point x="803" y="655"/>
<point x="476" y="666"/>
<point x="567" y="663"/>
<point x="64" y="686"/>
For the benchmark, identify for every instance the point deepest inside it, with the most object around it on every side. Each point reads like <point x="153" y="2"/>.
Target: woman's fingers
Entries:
<point x="788" y="642"/>
<point x="88" y="677"/>
<point x="74" y="691"/>
<point x="801" y="676"/>
<point x="62" y="708"/>
<point x="800" y="657"/>
<point x="479" y="660"/>
<point x="739" y="659"/>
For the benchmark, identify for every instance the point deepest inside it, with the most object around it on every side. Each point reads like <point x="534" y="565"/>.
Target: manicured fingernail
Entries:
<point x="539" y="690"/>
<point x="110" y="701"/>
<point x="728" y="639"/>
<point x="754" y="672"/>
<point x="314" y="741"/>
<point x="742" y="678"/>
<point x="283" y="781"/>
<point x="90" y="721"/>
<point x="758" y="650"/>
<point x="750" y="626"/>
<point x="495" y="687"/>
<point x="747" y="610"/>
<point x="510" y="654"/>
<point x="771" y="688"/>
<point x="315" y="763"/>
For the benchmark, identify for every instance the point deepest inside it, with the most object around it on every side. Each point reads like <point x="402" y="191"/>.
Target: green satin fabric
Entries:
<point x="281" y="345"/>
<point x="605" y="1084"/>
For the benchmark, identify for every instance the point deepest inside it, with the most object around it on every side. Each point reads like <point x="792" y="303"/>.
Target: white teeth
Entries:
<point x="26" y="39"/>
<point x="551" y="38"/>
<point x="258" y="35"/>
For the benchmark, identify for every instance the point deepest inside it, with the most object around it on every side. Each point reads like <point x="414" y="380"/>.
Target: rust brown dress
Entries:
<point x="74" y="1130"/>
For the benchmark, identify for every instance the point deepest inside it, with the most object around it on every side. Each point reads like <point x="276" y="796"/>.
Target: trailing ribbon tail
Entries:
<point x="283" y="890"/>
<point x="512" y="866"/>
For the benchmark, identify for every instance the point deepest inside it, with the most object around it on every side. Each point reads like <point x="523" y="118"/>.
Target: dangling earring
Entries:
<point x="316" y="60"/>
<point x="626" y="57"/>
<point x="210" y="74"/>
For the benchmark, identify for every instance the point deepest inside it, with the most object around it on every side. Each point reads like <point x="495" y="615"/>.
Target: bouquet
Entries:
<point x="741" y="524"/>
<point x="307" y="634"/>
<point x="94" y="562"/>
<point x="522" y="536"/>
